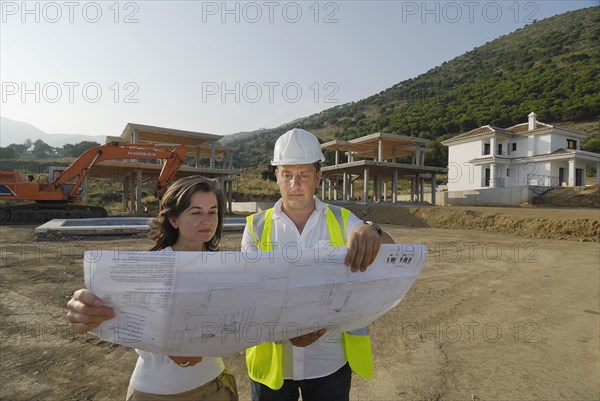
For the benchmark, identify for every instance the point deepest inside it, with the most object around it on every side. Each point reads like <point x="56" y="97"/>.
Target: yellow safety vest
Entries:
<point x="264" y="361"/>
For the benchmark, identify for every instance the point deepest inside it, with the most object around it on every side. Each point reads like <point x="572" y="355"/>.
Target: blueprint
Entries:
<point x="219" y="303"/>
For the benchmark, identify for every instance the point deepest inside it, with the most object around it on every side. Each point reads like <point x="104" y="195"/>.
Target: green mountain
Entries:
<point x="550" y="67"/>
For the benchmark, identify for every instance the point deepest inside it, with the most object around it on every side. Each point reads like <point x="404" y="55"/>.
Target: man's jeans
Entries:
<point x="335" y="387"/>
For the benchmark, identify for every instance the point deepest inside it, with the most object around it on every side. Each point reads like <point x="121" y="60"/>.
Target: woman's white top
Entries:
<point x="158" y="374"/>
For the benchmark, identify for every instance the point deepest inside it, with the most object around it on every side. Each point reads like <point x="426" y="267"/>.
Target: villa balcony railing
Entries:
<point x="542" y="180"/>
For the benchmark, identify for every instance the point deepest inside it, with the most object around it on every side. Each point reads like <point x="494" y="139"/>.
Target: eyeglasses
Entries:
<point x="302" y="176"/>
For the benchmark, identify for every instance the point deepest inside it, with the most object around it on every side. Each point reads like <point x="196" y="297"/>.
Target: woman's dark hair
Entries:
<point x="176" y="199"/>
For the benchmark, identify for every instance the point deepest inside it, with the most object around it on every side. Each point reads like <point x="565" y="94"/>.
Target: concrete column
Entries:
<point x="132" y="195"/>
<point x="571" y="179"/>
<point x="417" y="156"/>
<point x="329" y="188"/>
<point x="345" y="187"/>
<point x="380" y="150"/>
<point x="351" y="187"/>
<point x="366" y="185"/>
<point x="135" y="136"/>
<point x="492" y="146"/>
<point x="125" y="197"/>
<point x="138" y="192"/>
<point x="421" y="189"/>
<point x="337" y="157"/>
<point x="395" y="186"/>
<point x="197" y="160"/>
<point x="433" y="188"/>
<point x="385" y="191"/>
<point x="230" y="196"/>
<point x="322" y="188"/>
<point x="212" y="155"/>
<point x="412" y="189"/>
<point x="335" y="191"/>
<point x="493" y="175"/>
<point x="416" y="188"/>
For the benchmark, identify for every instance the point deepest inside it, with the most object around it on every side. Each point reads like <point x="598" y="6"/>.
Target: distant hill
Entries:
<point x="12" y="131"/>
<point x="550" y="67"/>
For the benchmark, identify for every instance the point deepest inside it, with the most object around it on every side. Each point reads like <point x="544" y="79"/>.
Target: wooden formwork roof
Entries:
<point x="368" y="146"/>
<point x="197" y="143"/>
<point x="386" y="169"/>
<point x="118" y="169"/>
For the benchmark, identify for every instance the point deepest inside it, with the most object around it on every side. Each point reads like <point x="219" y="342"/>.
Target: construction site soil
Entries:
<point x="507" y="308"/>
<point x="581" y="224"/>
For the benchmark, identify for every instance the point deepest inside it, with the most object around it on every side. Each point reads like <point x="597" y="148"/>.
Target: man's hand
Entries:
<point x="363" y="247"/>
<point x="307" y="339"/>
<point x="186" y="361"/>
<point x="86" y="311"/>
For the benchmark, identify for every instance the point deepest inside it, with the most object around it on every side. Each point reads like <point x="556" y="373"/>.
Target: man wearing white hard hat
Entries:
<point x="320" y="370"/>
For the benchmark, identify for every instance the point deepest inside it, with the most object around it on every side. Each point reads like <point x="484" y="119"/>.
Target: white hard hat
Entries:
<point x="297" y="146"/>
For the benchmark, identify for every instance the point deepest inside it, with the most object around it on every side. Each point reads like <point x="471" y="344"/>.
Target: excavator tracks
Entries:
<point x="42" y="212"/>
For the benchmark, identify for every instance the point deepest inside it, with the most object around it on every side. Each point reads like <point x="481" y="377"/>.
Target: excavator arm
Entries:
<point x="51" y="199"/>
<point x="80" y="168"/>
<point x="169" y="170"/>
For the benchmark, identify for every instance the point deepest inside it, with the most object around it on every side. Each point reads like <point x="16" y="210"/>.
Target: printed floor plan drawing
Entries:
<point x="216" y="304"/>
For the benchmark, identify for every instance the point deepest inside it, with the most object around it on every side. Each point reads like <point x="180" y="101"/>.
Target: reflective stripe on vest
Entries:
<point x="260" y="235"/>
<point x="264" y="361"/>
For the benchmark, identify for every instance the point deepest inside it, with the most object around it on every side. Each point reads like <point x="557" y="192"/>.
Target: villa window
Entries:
<point x="571" y="144"/>
<point x="486" y="148"/>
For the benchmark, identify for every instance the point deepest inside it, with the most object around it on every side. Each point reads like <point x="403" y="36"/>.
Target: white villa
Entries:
<point x="524" y="155"/>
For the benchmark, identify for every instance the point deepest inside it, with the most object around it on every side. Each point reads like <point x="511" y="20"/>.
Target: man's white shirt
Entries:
<point x="327" y="355"/>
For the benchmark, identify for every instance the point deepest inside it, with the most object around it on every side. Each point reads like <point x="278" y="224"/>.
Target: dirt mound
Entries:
<point x="570" y="197"/>
<point x="556" y="226"/>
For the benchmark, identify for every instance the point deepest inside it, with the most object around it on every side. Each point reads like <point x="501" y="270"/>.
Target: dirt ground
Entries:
<point x="498" y="313"/>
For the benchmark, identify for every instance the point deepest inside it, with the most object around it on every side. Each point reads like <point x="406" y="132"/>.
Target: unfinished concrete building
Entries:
<point x="204" y="157"/>
<point x="374" y="158"/>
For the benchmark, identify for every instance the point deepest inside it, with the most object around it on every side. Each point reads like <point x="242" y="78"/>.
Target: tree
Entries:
<point x="592" y="145"/>
<point x="7" y="153"/>
<point x="439" y="154"/>
<point x="18" y="150"/>
<point x="268" y="175"/>
<point x="41" y="149"/>
<point x="75" y="150"/>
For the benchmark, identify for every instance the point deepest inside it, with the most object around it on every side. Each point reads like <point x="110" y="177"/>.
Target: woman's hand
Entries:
<point x="86" y="311"/>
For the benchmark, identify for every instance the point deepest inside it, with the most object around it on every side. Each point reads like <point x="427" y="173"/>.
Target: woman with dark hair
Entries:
<point x="164" y="230"/>
<point x="190" y="219"/>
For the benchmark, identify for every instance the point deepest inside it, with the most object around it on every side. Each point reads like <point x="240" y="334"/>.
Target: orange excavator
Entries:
<point x="60" y="197"/>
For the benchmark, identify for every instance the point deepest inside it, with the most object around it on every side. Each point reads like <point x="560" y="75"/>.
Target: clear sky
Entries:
<point x="82" y="67"/>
